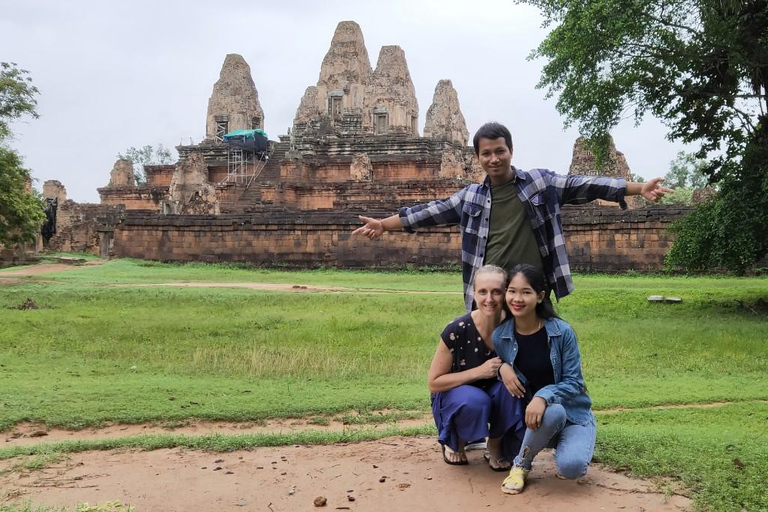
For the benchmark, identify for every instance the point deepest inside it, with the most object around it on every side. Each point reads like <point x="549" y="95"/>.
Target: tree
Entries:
<point x="685" y="175"/>
<point x="686" y="171"/>
<point x="701" y="66"/>
<point x="21" y="212"/>
<point x="731" y="229"/>
<point x="17" y="96"/>
<point x="148" y="155"/>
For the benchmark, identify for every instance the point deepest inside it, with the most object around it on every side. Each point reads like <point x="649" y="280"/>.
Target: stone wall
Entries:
<point x="394" y="159"/>
<point x="600" y="239"/>
<point x="340" y="197"/>
<point x="159" y="175"/>
<point x="85" y="227"/>
<point x="144" y="197"/>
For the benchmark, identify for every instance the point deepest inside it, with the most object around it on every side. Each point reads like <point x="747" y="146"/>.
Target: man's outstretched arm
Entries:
<point x="442" y="212"/>
<point x="575" y="189"/>
<point x="374" y="228"/>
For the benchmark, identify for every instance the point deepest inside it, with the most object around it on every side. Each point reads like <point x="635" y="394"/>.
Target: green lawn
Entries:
<point x="96" y="353"/>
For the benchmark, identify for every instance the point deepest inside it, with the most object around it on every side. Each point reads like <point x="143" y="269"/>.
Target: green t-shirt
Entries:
<point x="510" y="236"/>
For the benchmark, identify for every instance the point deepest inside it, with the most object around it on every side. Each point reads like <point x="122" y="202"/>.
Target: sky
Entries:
<point x="113" y="75"/>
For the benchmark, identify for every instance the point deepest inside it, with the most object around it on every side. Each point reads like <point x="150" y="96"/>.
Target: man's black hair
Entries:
<point x="492" y="131"/>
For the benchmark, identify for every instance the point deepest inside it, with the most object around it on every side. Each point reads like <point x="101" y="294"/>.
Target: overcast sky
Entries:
<point x="113" y="75"/>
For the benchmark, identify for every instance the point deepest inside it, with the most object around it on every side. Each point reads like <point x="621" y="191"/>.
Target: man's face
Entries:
<point x="495" y="159"/>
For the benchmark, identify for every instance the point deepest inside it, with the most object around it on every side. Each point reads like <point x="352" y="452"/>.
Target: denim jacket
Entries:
<point x="569" y="389"/>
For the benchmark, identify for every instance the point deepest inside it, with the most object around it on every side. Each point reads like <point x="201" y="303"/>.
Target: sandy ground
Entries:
<point x="397" y="474"/>
<point x="46" y="268"/>
<point x="28" y="434"/>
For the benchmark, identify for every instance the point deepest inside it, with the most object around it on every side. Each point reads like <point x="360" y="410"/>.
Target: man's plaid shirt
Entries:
<point x="542" y="193"/>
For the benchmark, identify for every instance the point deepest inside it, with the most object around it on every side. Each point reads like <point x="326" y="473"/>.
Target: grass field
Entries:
<point x="99" y="350"/>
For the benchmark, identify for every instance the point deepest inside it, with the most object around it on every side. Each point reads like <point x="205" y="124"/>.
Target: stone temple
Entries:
<point x="354" y="148"/>
<point x="354" y="144"/>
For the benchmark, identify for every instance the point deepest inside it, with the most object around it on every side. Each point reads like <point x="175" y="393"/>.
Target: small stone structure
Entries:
<point x="190" y="192"/>
<point x="444" y="118"/>
<point x="361" y="168"/>
<point x="53" y="189"/>
<point x="81" y="227"/>
<point x="583" y="162"/>
<point x="122" y="174"/>
<point x="234" y="103"/>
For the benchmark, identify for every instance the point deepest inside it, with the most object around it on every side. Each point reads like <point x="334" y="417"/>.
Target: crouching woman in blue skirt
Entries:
<point x="469" y="403"/>
<point x="540" y="351"/>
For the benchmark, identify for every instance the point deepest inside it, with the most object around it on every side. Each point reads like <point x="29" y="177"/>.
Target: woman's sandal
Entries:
<point x="497" y="464"/>
<point x="462" y="457"/>
<point x="515" y="482"/>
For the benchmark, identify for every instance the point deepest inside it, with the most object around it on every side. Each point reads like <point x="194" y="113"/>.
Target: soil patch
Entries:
<point x="394" y="474"/>
<point x="27" y="304"/>
<point x="26" y="434"/>
<point x="46" y="268"/>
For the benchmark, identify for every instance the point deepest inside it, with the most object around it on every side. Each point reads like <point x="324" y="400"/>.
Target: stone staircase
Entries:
<point x="271" y="171"/>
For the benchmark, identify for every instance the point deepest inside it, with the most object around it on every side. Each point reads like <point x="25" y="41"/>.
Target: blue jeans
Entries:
<point x="574" y="444"/>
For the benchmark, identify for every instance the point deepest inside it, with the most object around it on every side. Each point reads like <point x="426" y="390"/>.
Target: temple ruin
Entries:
<point x="354" y="148"/>
<point x="584" y="163"/>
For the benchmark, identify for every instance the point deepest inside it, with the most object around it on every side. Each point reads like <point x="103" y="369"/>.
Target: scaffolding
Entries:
<point x="246" y="156"/>
<point x="243" y="166"/>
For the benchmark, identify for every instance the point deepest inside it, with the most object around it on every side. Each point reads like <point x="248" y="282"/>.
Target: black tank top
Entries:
<point x="533" y="359"/>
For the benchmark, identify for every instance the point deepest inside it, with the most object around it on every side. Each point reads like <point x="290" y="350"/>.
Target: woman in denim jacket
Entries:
<point x="542" y="364"/>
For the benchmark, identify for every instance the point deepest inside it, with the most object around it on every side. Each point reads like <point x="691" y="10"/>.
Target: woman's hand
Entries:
<point x="535" y="412"/>
<point x="511" y="382"/>
<point x="489" y="369"/>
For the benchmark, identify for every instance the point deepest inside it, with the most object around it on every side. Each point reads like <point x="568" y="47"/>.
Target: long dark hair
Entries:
<point x="538" y="282"/>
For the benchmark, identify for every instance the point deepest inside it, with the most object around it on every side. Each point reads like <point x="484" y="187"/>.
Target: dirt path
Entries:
<point x="397" y="474"/>
<point x="28" y="434"/>
<point x="46" y="268"/>
<point x="13" y="277"/>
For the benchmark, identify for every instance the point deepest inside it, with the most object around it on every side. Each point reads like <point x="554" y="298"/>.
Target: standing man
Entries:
<point x="513" y="216"/>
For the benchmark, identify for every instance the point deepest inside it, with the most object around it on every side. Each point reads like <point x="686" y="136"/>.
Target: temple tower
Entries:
<point x="444" y="118"/>
<point x="234" y="103"/>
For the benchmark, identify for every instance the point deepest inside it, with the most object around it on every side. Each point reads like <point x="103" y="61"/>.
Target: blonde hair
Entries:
<point x="491" y="269"/>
